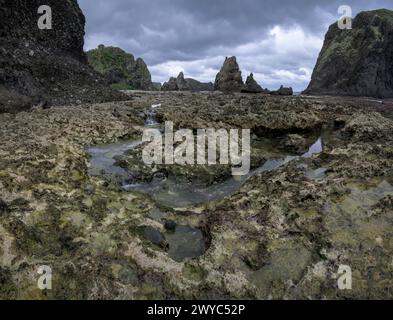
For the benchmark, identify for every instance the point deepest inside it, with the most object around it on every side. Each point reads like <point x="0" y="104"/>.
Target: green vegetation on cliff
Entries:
<point x="356" y="61"/>
<point x="120" y="68"/>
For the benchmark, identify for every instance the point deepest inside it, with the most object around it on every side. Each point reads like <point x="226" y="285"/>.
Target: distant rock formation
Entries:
<point x="229" y="79"/>
<point x="186" y="84"/>
<point x="181" y="83"/>
<point x="46" y="66"/>
<point x="357" y="62"/>
<point x="196" y="86"/>
<point x="283" y="91"/>
<point x="120" y="67"/>
<point x="171" y="85"/>
<point x="252" y="86"/>
<point x="157" y="86"/>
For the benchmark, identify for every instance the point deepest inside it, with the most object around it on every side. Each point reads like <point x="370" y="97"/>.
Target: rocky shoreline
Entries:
<point x="298" y="216"/>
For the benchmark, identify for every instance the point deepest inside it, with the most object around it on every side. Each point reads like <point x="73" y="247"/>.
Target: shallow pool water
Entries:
<point x="172" y="193"/>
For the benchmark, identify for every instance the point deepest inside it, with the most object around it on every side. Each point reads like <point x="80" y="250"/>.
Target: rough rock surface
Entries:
<point x="282" y="235"/>
<point x="181" y="83"/>
<point x="171" y="85"/>
<point x="46" y="66"/>
<point x="186" y="84"/>
<point x="119" y="66"/>
<point x="357" y="62"/>
<point x="229" y="79"/>
<point x="252" y="86"/>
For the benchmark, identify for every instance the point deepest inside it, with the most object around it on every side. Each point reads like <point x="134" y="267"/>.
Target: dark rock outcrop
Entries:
<point x="171" y="85"/>
<point x="46" y="66"/>
<point x="283" y="91"/>
<point x="186" y="84"/>
<point x="252" y="86"/>
<point x="229" y="79"/>
<point x="181" y="83"/>
<point x="357" y="62"/>
<point x="120" y="67"/>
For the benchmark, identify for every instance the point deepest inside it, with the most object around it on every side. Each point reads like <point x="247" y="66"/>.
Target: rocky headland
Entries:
<point x="46" y="67"/>
<point x="357" y="62"/>
<point x="120" y="68"/>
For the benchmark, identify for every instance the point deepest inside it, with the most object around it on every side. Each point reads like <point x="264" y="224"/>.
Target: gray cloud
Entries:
<point x="278" y="40"/>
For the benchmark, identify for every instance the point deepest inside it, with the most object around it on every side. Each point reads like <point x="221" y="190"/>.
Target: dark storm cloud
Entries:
<point x="278" y="40"/>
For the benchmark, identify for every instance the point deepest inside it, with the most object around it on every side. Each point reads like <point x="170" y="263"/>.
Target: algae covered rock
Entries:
<point x="357" y="62"/>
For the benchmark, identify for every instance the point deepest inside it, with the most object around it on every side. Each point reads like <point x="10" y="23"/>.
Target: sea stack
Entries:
<point x="357" y="61"/>
<point x="229" y="79"/>
<point x="252" y="86"/>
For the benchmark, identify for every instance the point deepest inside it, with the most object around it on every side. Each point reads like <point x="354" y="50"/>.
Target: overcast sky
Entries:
<point x="277" y="40"/>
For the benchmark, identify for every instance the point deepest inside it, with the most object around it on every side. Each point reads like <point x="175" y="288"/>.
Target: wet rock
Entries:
<point x="294" y="143"/>
<point x="155" y="237"/>
<point x="354" y="62"/>
<point x="185" y="243"/>
<point x="170" y="225"/>
<point x="229" y="79"/>
<point x="275" y="219"/>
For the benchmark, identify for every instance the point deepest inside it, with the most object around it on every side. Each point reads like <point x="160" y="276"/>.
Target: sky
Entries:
<point x="278" y="40"/>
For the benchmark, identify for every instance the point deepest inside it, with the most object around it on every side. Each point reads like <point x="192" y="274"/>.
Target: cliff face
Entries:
<point x="45" y="66"/>
<point x="120" y="67"/>
<point x="357" y="62"/>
